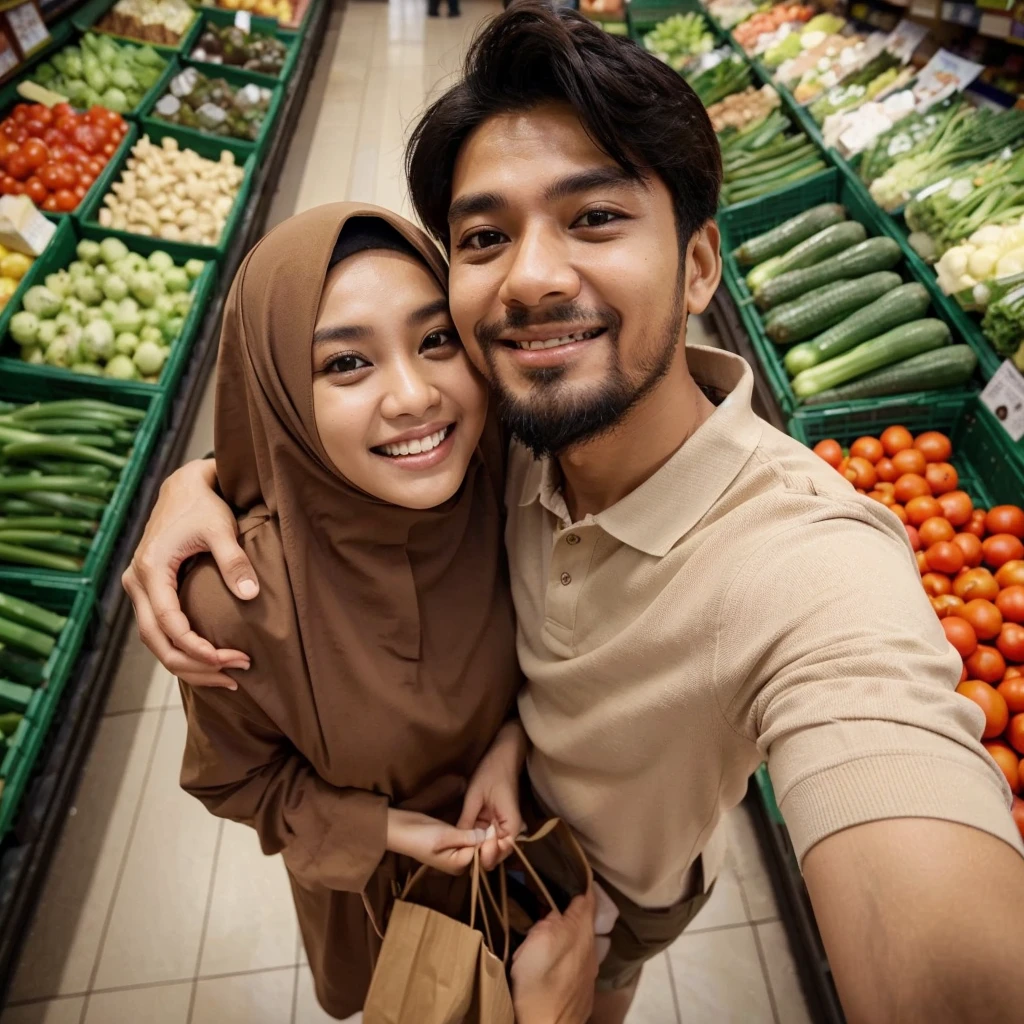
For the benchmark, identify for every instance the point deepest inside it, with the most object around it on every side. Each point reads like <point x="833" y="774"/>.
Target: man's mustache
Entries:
<point x="521" y="319"/>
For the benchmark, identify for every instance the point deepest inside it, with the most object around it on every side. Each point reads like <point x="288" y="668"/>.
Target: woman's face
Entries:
<point x="398" y="406"/>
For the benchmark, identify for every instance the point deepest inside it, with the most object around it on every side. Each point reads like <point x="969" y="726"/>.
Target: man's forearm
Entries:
<point x="917" y="917"/>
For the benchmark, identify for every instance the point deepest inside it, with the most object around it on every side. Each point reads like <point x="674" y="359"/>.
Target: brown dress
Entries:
<point x="382" y="640"/>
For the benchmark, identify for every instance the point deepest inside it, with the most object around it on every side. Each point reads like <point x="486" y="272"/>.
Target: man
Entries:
<point x="695" y="591"/>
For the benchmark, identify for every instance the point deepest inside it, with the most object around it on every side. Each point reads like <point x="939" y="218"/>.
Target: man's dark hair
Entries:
<point x="632" y="105"/>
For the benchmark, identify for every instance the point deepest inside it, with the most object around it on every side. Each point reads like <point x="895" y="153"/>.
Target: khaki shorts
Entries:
<point x="639" y="933"/>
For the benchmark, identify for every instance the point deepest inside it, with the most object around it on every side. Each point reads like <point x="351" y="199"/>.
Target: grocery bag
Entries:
<point x="434" y="969"/>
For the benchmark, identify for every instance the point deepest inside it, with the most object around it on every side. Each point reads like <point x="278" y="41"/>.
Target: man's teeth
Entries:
<point x="566" y="339"/>
<point x="418" y="446"/>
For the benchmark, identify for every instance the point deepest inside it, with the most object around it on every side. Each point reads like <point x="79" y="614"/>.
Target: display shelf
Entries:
<point x="26" y="853"/>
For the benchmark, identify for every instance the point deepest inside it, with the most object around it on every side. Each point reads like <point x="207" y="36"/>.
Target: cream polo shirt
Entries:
<point x="744" y="603"/>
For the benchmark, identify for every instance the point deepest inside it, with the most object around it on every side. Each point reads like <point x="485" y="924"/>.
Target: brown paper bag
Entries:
<point x="433" y="969"/>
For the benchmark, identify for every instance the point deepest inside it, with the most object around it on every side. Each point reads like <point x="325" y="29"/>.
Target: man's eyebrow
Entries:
<point x="598" y="177"/>
<point x="431" y="309"/>
<point x="474" y="204"/>
<point x="341" y="332"/>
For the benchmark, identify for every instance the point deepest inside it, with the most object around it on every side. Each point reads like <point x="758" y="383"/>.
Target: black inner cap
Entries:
<point x="362" y="233"/>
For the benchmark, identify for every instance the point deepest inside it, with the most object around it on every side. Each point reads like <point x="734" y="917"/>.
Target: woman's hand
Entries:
<point x="432" y="842"/>
<point x="492" y="799"/>
<point x="188" y="518"/>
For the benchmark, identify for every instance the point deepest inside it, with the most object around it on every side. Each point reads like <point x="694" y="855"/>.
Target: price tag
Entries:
<point x="243" y="20"/>
<point x="1004" y="395"/>
<point x="8" y="57"/>
<point x="30" y="32"/>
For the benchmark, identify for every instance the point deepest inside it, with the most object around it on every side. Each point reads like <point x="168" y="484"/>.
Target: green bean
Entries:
<point x="14" y="697"/>
<point x="94" y="470"/>
<point x="9" y="723"/>
<point x="21" y="667"/>
<point x="66" y="504"/>
<point x="14" y="609"/>
<point x="23" y="637"/>
<point x="47" y="540"/>
<point x="78" y="405"/>
<point x="70" y="426"/>
<point x="96" y="440"/>
<point x="65" y="484"/>
<point x="40" y="522"/>
<point x="20" y="507"/>
<point x="9" y="435"/>
<point x="84" y="452"/>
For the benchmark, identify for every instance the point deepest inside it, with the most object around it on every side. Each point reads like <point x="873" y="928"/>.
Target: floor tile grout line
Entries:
<point x="122" y="867"/>
<point x="206" y="919"/>
<point x="728" y="927"/>
<point x="295" y="996"/>
<point x="672" y="987"/>
<point x="149" y="984"/>
<point x="760" y="953"/>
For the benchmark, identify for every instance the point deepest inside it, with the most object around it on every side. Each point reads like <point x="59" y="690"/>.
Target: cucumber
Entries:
<point x="811" y="313"/>
<point x="892" y="347"/>
<point x="833" y="239"/>
<point x="864" y="258"/>
<point x="782" y="238"/>
<point x="898" y="306"/>
<point x="941" y="368"/>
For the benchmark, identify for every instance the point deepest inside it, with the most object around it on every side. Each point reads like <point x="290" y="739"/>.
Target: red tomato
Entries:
<point x="960" y="634"/>
<point x="66" y="124"/>
<point x="922" y="560"/>
<point x="1011" y="641"/>
<point x="109" y="150"/>
<point x="18" y="167"/>
<point x="861" y="473"/>
<point x="942" y="477"/>
<point x="66" y="200"/>
<point x="1010" y="603"/>
<point x="1011" y="574"/>
<point x="1005" y="519"/>
<point x="1015" y="733"/>
<point x="986" y="664"/>
<point x="36" y="190"/>
<point x="913" y="536"/>
<point x="946" y="604"/>
<point x="996" y="713"/>
<point x="998" y="549"/>
<point x="910" y="460"/>
<point x="35" y="152"/>
<point x="945" y="557"/>
<point x="984" y="617"/>
<point x="956" y="506"/>
<point x="21" y="113"/>
<point x="62" y="110"/>
<point x="95" y="167"/>
<point x="896" y="439"/>
<point x="79" y="193"/>
<point x="50" y="204"/>
<point x="935" y="529"/>
<point x="886" y="470"/>
<point x="50" y="176"/>
<point x="936" y="585"/>
<point x="36" y="128"/>
<point x="900" y="512"/>
<point x="919" y="508"/>
<point x="971" y="547"/>
<point x="1008" y="765"/>
<point x="8" y="186"/>
<point x="1012" y="690"/>
<point x="934" y="446"/>
<point x="869" y="448"/>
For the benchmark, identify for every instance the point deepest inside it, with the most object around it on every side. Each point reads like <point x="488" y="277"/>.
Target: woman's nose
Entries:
<point x="409" y="393"/>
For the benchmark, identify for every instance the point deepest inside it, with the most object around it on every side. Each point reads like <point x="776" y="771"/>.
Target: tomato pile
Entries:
<point x="972" y="568"/>
<point x="53" y="154"/>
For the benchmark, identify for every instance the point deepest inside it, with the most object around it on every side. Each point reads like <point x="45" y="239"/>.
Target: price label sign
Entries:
<point x="243" y="20"/>
<point x="8" y="56"/>
<point x="1004" y="395"/>
<point x="28" y="28"/>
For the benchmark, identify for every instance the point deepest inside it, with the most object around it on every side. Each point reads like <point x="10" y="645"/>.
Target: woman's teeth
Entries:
<point x="566" y="339"/>
<point x="416" y="447"/>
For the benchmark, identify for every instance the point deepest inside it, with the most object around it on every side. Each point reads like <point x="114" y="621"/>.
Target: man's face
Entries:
<point x="565" y="276"/>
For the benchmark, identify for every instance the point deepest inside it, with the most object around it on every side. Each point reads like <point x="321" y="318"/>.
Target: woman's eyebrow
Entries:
<point x="431" y="309"/>
<point x="341" y="332"/>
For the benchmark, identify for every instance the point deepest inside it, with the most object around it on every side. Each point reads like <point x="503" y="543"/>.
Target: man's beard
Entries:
<point x="554" y="417"/>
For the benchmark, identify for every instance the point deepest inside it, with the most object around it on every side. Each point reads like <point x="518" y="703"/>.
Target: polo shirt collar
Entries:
<point x="666" y="506"/>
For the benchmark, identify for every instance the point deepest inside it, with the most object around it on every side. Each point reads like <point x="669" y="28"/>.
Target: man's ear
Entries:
<point x="703" y="267"/>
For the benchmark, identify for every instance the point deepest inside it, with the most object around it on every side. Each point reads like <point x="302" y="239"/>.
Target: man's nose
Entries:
<point x="541" y="272"/>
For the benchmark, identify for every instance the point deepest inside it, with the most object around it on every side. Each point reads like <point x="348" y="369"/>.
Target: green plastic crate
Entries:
<point x="9" y="94"/>
<point x="643" y="15"/>
<point x="60" y="253"/>
<point x="76" y="601"/>
<point x="87" y="16"/>
<point x="982" y="450"/>
<point x="739" y="224"/>
<point x="260" y="26"/>
<point x="236" y="78"/>
<point x="27" y="386"/>
<point x="967" y="325"/>
<point x="205" y="146"/>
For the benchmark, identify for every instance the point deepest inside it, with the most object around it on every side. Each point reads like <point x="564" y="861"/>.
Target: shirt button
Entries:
<point x="572" y="538"/>
<point x="566" y="579"/>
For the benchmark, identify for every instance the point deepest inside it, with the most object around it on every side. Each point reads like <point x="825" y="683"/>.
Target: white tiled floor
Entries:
<point x="157" y="913"/>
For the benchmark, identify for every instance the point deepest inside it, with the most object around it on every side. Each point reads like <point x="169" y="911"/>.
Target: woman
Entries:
<point x="353" y="433"/>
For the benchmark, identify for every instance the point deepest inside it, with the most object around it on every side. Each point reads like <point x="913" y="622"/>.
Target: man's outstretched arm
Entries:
<point x="921" y="922"/>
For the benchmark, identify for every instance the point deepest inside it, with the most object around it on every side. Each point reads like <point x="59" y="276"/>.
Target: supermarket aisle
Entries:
<point x="156" y="912"/>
